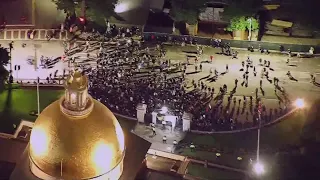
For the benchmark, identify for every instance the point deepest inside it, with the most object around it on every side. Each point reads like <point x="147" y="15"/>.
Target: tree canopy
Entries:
<point x="187" y="10"/>
<point x="4" y="60"/>
<point x="96" y="10"/>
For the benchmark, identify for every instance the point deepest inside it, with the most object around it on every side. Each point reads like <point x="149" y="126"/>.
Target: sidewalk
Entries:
<point x="146" y="133"/>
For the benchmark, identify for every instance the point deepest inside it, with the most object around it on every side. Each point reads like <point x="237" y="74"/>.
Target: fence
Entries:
<point x="22" y="34"/>
<point x="235" y="43"/>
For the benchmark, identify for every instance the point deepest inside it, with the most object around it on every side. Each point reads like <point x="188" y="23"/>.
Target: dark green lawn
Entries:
<point x="17" y="104"/>
<point x="198" y="170"/>
<point x="273" y="138"/>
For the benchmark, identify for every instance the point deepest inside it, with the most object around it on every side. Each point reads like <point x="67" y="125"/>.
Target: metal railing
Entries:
<point x="233" y="43"/>
<point x="40" y="34"/>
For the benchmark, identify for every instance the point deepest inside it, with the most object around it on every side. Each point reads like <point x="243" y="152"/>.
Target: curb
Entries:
<point x="247" y="129"/>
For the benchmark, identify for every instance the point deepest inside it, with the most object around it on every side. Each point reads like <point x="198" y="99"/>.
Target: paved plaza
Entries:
<point x="299" y="68"/>
<point x="51" y="49"/>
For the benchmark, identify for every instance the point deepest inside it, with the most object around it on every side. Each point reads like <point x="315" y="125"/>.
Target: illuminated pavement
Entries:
<point x="50" y="49"/>
<point x="146" y="133"/>
<point x="299" y="68"/>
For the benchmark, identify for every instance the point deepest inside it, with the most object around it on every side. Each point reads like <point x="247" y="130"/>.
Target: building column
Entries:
<point x="5" y="34"/>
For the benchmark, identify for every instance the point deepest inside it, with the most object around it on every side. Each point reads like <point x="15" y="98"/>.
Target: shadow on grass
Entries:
<point x="6" y="115"/>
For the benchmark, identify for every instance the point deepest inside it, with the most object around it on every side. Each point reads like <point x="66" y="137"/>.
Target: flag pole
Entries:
<point x="36" y="68"/>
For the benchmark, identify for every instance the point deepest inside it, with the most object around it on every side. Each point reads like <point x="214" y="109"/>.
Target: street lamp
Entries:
<point x="259" y="126"/>
<point x="121" y="7"/>
<point x="299" y="103"/>
<point x="258" y="168"/>
<point x="250" y="27"/>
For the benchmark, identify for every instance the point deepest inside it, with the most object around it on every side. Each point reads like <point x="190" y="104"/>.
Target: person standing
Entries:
<point x="192" y="147"/>
<point x="164" y="139"/>
<point x="154" y="131"/>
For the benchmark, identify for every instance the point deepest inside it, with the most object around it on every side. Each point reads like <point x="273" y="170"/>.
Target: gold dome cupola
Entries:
<point x="76" y="101"/>
<point x="76" y="137"/>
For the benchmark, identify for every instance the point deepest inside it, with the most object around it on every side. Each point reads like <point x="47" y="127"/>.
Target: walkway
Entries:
<point x="163" y="162"/>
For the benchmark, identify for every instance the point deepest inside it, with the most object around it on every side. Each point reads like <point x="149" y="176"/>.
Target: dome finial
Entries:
<point x="76" y="99"/>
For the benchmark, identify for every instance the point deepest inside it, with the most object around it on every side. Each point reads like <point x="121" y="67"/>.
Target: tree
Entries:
<point x="241" y="8"/>
<point x="237" y="24"/>
<point x="100" y="10"/>
<point x="187" y="10"/>
<point x="4" y="60"/>
<point x="68" y="6"/>
<point x="96" y="10"/>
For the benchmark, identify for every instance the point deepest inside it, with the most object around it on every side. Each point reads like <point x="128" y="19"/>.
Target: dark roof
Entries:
<point x="159" y="22"/>
<point x="6" y="169"/>
<point x="13" y="11"/>
<point x="167" y="4"/>
<point x="159" y="19"/>
<point x="11" y="149"/>
<point x="136" y="149"/>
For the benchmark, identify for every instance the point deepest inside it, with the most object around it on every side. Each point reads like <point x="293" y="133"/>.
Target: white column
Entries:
<point x="141" y="111"/>
<point x="186" y="120"/>
<point x="154" y="117"/>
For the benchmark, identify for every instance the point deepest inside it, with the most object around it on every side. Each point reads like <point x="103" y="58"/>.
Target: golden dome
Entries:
<point x="77" y="147"/>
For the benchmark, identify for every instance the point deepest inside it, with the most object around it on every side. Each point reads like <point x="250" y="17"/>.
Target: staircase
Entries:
<point x="183" y="168"/>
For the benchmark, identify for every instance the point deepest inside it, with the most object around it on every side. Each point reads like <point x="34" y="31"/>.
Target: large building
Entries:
<point x="43" y="14"/>
<point x="77" y="137"/>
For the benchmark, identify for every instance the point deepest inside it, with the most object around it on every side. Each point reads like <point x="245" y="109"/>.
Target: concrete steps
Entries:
<point x="182" y="169"/>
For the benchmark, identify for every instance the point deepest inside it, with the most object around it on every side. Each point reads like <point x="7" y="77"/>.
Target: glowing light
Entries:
<point x="39" y="141"/>
<point x="299" y="103"/>
<point x="102" y="156"/>
<point x="120" y="136"/>
<point x="120" y="8"/>
<point x="81" y="19"/>
<point x="164" y="110"/>
<point x="258" y="168"/>
<point x="73" y="97"/>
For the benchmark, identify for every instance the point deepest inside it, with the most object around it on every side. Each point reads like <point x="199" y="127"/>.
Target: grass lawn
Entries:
<point x="198" y="170"/>
<point x="18" y="103"/>
<point x="281" y="135"/>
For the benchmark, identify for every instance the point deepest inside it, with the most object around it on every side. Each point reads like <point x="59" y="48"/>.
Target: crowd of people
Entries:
<point x="125" y="72"/>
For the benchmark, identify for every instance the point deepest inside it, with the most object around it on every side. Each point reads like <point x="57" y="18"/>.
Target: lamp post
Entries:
<point x="250" y="28"/>
<point x="259" y="126"/>
<point x="38" y="79"/>
<point x="258" y="167"/>
<point x="10" y="53"/>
